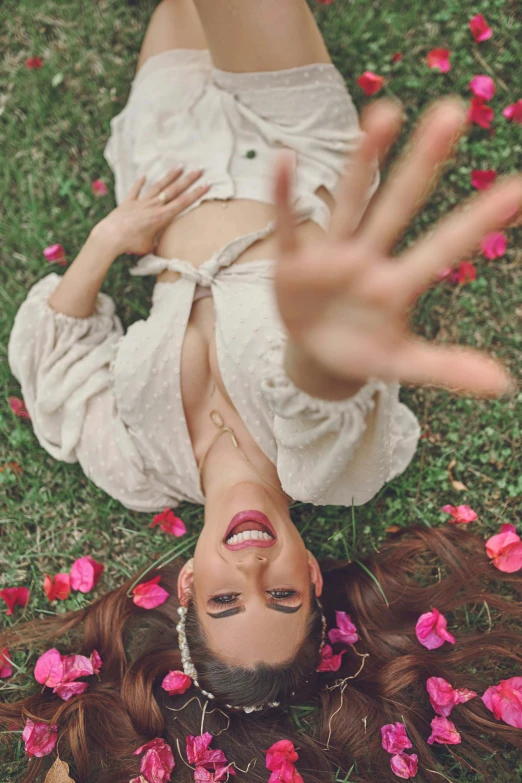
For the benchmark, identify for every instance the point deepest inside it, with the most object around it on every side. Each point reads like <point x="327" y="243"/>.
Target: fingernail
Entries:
<point x="179" y="168"/>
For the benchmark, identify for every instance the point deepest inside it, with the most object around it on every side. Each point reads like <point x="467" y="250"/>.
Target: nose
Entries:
<point x="252" y="561"/>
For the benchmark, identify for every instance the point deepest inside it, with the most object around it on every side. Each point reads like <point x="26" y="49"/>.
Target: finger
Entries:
<point x="454" y="368"/>
<point x="174" y="190"/>
<point x="415" y="175"/>
<point x="135" y="189"/>
<point x="187" y="198"/>
<point x="165" y="181"/>
<point x="457" y="235"/>
<point x="381" y="123"/>
<point x="285" y="230"/>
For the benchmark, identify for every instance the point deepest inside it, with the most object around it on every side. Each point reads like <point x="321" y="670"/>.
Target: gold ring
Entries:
<point x="163" y="197"/>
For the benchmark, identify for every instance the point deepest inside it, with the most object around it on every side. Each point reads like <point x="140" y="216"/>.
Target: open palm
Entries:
<point x="345" y="300"/>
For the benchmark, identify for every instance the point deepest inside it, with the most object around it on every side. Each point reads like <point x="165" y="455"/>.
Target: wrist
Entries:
<point x="107" y="240"/>
<point x="309" y="375"/>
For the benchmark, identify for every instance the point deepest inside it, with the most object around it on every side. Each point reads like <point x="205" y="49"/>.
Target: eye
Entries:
<point x="281" y="595"/>
<point x="217" y="601"/>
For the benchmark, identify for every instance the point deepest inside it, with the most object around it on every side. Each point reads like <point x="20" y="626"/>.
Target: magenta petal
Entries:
<point x="176" y="682"/>
<point x="479" y="28"/>
<point x="6" y="668"/>
<point x="439" y="59"/>
<point x="483" y="87"/>
<point x="149" y="595"/>
<point x="96" y="661"/>
<point x="404" y="766"/>
<point x="395" y="738"/>
<point x="509" y="559"/>
<point x="66" y="690"/>
<point x="280" y="751"/>
<point x="431" y="630"/>
<point x="329" y="662"/>
<point x="483" y="179"/>
<point x="85" y="574"/>
<point x="442" y="695"/>
<point x="49" y="668"/>
<point x="39" y="738"/>
<point x="500" y="541"/>
<point x="505" y="701"/>
<point x="444" y="732"/>
<point x="494" y="245"/>
<point x="75" y="666"/>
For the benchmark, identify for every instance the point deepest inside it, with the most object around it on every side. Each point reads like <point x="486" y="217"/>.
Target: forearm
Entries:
<point x="312" y="379"/>
<point x="77" y="292"/>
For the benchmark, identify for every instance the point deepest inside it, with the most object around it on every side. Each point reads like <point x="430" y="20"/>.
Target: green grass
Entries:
<point x="54" y="123"/>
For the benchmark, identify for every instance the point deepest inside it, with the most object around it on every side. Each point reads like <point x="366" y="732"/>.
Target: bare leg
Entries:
<point x="261" y="35"/>
<point x="175" y="24"/>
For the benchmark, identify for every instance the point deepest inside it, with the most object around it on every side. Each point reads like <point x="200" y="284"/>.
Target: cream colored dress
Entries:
<point x="112" y="401"/>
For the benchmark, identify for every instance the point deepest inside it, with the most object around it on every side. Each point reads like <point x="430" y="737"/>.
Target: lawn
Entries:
<point x="54" y="122"/>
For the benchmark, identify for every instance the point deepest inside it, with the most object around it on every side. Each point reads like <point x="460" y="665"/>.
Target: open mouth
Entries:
<point x="249" y="529"/>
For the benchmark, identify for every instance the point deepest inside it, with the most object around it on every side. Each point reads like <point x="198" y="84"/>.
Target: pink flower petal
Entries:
<point x="480" y="113"/>
<point x="49" y="668"/>
<point x="405" y="766"/>
<point x="514" y="112"/>
<point x="507" y="526"/>
<point x="33" y="63"/>
<point x="370" y="82"/>
<point x="397" y="57"/>
<point x="444" y="697"/>
<point x="500" y="541"/>
<point x="75" y="666"/>
<point x="200" y="754"/>
<point x="346" y="632"/>
<point x="85" y="574"/>
<point x="444" y="732"/>
<point x="286" y="773"/>
<point x="431" y="630"/>
<point x="466" y="273"/>
<point x="483" y="87"/>
<point x="202" y="775"/>
<point x="39" y="738"/>
<point x="18" y="407"/>
<point x="99" y="188"/>
<point x="96" y="661"/>
<point x="58" y="588"/>
<point x="462" y="515"/>
<point x="479" y="28"/>
<point x="505" y="701"/>
<point x="330" y="662"/>
<point x="55" y="254"/>
<point x="14" y="596"/>
<point x="176" y="682"/>
<point x="325" y="2"/>
<point x="494" y="245"/>
<point x="439" y="59"/>
<point x="395" y="738"/>
<point x="158" y="762"/>
<point x="6" y="668"/>
<point x="170" y="523"/>
<point x="149" y="594"/>
<point x="483" y="179"/>
<point x="280" y="751"/>
<point x="509" y="559"/>
<point x="66" y="690"/>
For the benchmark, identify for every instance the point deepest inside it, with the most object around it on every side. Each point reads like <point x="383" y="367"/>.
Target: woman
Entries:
<point x="296" y="363"/>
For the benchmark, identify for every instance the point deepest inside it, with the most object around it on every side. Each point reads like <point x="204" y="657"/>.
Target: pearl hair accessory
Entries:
<point x="190" y="670"/>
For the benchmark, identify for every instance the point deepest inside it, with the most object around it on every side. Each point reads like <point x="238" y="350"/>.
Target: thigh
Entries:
<point x="175" y="24"/>
<point x="261" y="35"/>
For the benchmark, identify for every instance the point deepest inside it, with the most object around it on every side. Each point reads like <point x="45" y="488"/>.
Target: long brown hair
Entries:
<point x="338" y="731"/>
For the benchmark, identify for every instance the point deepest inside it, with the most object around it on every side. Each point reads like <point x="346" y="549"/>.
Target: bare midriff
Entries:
<point x="194" y="238"/>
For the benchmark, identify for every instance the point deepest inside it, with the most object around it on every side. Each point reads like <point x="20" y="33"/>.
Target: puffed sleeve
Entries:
<point x="337" y="452"/>
<point x="63" y="365"/>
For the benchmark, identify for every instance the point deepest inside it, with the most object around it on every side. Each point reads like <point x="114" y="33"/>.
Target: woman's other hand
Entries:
<point x="135" y="224"/>
<point x="345" y="299"/>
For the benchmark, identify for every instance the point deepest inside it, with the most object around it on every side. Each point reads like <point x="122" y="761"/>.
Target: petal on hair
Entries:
<point x="280" y="751"/>
<point x="85" y="574"/>
<point x="58" y="588"/>
<point x="505" y="701"/>
<point x="330" y="662"/>
<point x="461" y="514"/>
<point x="444" y="732"/>
<point x="286" y="773"/>
<point x="49" y="668"/>
<point x="404" y="766"/>
<point x="346" y="631"/>
<point x="500" y="541"/>
<point x="431" y="630"/>
<point x="395" y="738"/>
<point x="176" y="683"/>
<point x="170" y="523"/>
<point x="75" y="666"/>
<point x="14" y="596"/>
<point x="158" y="761"/>
<point x="66" y="690"/>
<point x="482" y="87"/>
<point x="96" y="661"/>
<point x="479" y="28"/>
<point x="6" y="668"/>
<point x="149" y="595"/>
<point x="444" y="697"/>
<point x="39" y="738"/>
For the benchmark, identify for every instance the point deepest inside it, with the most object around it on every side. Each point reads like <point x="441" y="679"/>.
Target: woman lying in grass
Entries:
<point x="267" y="372"/>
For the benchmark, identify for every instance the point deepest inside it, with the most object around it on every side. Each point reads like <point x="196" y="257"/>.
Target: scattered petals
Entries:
<point x="170" y="523"/>
<point x="464" y="273"/>
<point x="18" y="407"/>
<point x="158" y="761"/>
<point x="370" y="82"/>
<point x="483" y="179"/>
<point x="176" y="683"/>
<point x="49" y="668"/>
<point x="444" y="732"/>
<point x="58" y="588"/>
<point x="405" y="766"/>
<point x="346" y="632"/>
<point x="483" y="87"/>
<point x="85" y="574"/>
<point x="99" y="188"/>
<point x="286" y="773"/>
<point x="397" y="57"/>
<point x="461" y="514"/>
<point x="200" y="753"/>
<point x="34" y="63"/>
<point x="480" y="113"/>
<point x="66" y="690"/>
<point x="444" y="697"/>
<point x="439" y="58"/>
<point x="6" y="669"/>
<point x="14" y="596"/>
<point x="202" y="775"/>
<point x="149" y="595"/>
<point x="39" y="738"/>
<point x="395" y="738"/>
<point x="280" y="751"/>
<point x="75" y="666"/>
<point x="431" y="630"/>
<point x="514" y="112"/>
<point x="55" y="254"/>
<point x="494" y="245"/>
<point x="505" y="701"/>
<point x="330" y="662"/>
<point x="479" y="28"/>
<point x="96" y="662"/>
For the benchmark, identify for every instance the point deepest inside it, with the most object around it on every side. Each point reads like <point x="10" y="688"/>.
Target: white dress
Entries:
<point x="112" y="401"/>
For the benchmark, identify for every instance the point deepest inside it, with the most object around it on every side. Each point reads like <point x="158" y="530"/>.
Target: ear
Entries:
<point x="185" y="580"/>
<point x="315" y="574"/>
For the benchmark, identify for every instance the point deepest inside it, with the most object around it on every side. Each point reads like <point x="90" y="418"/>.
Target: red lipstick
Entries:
<point x="250" y="520"/>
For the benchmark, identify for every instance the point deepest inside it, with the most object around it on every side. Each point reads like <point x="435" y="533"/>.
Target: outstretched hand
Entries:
<point x="345" y="300"/>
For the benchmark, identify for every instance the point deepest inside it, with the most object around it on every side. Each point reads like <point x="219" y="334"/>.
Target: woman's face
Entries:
<point x="251" y="579"/>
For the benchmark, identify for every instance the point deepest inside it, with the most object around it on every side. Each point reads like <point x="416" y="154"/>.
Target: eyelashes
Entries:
<point x="230" y="599"/>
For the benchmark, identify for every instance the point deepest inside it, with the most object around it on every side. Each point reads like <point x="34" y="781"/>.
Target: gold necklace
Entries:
<point x="217" y="419"/>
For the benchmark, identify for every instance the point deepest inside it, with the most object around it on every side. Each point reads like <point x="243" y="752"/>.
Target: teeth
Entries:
<point x="249" y="535"/>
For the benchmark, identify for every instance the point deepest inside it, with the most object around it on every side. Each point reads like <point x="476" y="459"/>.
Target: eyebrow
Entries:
<point x="239" y="609"/>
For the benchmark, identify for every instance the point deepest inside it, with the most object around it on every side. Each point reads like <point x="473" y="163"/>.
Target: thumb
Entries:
<point x="285" y="223"/>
